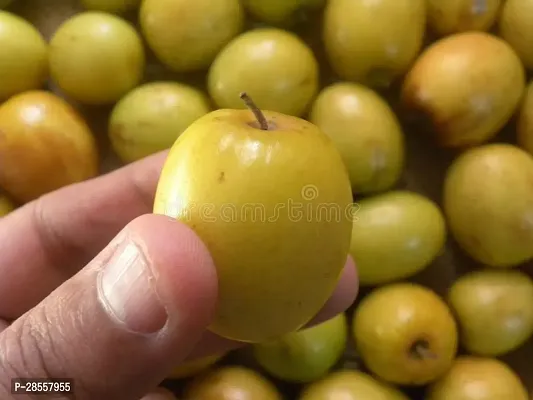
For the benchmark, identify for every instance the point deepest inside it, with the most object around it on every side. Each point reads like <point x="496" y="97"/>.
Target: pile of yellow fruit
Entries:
<point x="426" y="105"/>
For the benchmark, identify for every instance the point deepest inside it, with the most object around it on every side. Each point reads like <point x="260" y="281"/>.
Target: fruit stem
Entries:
<point x="420" y="350"/>
<point x="263" y="123"/>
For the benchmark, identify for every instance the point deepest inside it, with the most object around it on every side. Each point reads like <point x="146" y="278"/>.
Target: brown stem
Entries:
<point x="263" y="123"/>
<point x="420" y="350"/>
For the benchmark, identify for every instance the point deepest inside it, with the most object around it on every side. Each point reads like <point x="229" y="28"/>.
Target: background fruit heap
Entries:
<point x="411" y="91"/>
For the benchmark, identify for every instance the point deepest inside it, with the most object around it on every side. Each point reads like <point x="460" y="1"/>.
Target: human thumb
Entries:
<point x="118" y="326"/>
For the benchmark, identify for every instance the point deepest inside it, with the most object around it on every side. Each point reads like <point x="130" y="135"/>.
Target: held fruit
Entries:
<point x="351" y="385"/>
<point x="194" y="367"/>
<point x="475" y="378"/>
<point x="396" y="235"/>
<point x="454" y="16"/>
<point x="186" y="35"/>
<point x="366" y="132"/>
<point x="231" y="383"/>
<point x="23" y="56"/>
<point x="515" y="28"/>
<point x="276" y="67"/>
<point x="6" y="206"/>
<point x="150" y="118"/>
<point x="467" y="86"/>
<point x="306" y="355"/>
<point x="488" y="202"/>
<point x="267" y="199"/>
<point x="494" y="310"/>
<point x="112" y="6"/>
<point x="44" y="145"/>
<point x="95" y="57"/>
<point x="405" y="334"/>
<point x="373" y="42"/>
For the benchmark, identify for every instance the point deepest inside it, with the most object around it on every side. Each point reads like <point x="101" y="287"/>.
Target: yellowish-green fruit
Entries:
<point x="266" y="203"/>
<point x="45" y="145"/>
<point x="194" y="367"/>
<point x="186" y="35"/>
<point x="476" y="378"/>
<point x="23" y="56"/>
<point x="150" y="118"/>
<point x="306" y="355"/>
<point x="515" y="28"/>
<point x="6" y="206"/>
<point x="454" y="16"/>
<point x="366" y="133"/>
<point x="280" y="12"/>
<point x="112" y="6"/>
<point x="465" y="99"/>
<point x="396" y="235"/>
<point x="405" y="334"/>
<point x="351" y="385"/>
<point x="96" y="58"/>
<point x="373" y="42"/>
<point x="525" y="121"/>
<point x="494" y="310"/>
<point x="488" y="202"/>
<point x="274" y="66"/>
<point x="231" y="383"/>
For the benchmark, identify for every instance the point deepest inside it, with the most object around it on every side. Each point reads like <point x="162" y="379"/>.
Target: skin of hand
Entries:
<point x="97" y="289"/>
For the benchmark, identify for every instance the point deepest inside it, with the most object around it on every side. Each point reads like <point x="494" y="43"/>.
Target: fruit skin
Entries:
<point x="265" y="204"/>
<point x="44" y="145"/>
<point x="194" y="367"/>
<point x="5" y="3"/>
<point x="187" y="35"/>
<point x="6" y="206"/>
<point x="515" y="28"/>
<point x="273" y="66"/>
<point x="524" y="126"/>
<point x="455" y="16"/>
<point x="392" y="320"/>
<point x="96" y="58"/>
<point x="477" y="378"/>
<point x="150" y="118"/>
<point x="488" y="201"/>
<point x="465" y="99"/>
<point x="366" y="133"/>
<point x="306" y="355"/>
<point x="112" y="6"/>
<point x="351" y="385"/>
<point x="494" y="310"/>
<point x="23" y="58"/>
<point x="280" y="12"/>
<point x="396" y="235"/>
<point x="373" y="42"/>
<point x="231" y="383"/>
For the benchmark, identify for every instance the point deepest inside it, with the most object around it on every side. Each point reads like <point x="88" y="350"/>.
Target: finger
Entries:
<point x="118" y="326"/>
<point x="343" y="297"/>
<point x="160" y="394"/>
<point x="47" y="241"/>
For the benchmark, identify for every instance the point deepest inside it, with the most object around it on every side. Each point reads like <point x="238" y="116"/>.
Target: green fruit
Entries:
<point x="231" y="383"/>
<point x="150" y="118"/>
<point x="373" y="42"/>
<point x="266" y="203"/>
<point x="351" y="385"/>
<point x="405" y="334"/>
<point x="494" y="310"/>
<point x="280" y="12"/>
<point x="515" y="28"/>
<point x="6" y="206"/>
<point x="488" y="201"/>
<point x="112" y="6"/>
<point x="396" y="235"/>
<point x="187" y="35"/>
<point x="366" y="132"/>
<point x="23" y="56"/>
<point x="474" y="378"/>
<point x="306" y="355"/>
<point x="96" y="58"/>
<point x="274" y="66"/>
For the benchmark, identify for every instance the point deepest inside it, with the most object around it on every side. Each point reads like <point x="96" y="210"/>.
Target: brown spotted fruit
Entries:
<point x="467" y="86"/>
<point x="44" y="145"/>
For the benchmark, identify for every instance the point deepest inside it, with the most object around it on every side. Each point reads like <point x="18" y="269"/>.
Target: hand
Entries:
<point x="71" y="316"/>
